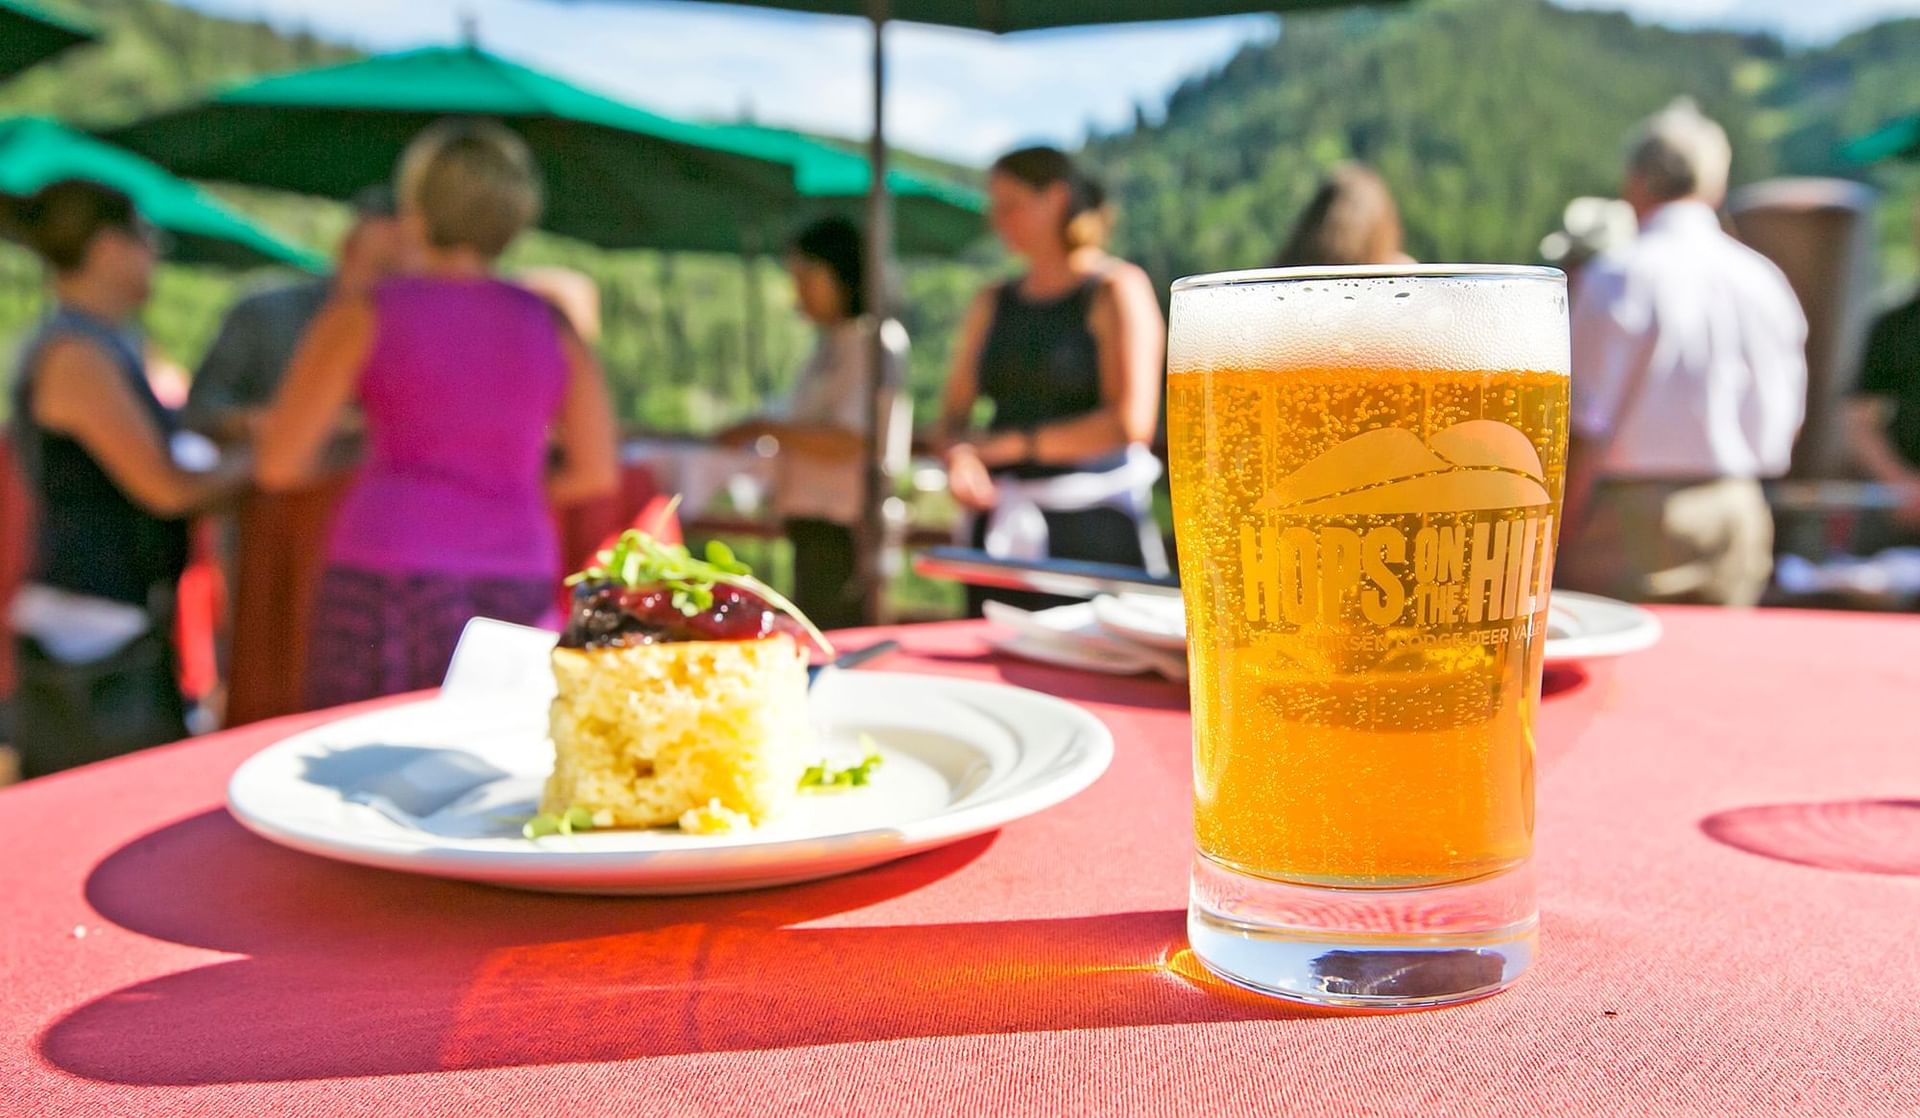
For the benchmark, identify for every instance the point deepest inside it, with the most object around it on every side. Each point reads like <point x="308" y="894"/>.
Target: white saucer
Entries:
<point x="1579" y="627"/>
<point x="961" y="758"/>
<point x="1589" y="627"/>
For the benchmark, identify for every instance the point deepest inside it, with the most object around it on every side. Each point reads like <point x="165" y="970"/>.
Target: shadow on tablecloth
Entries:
<point x="1148" y="692"/>
<point x="1560" y="679"/>
<point x="1857" y="836"/>
<point x="358" y="972"/>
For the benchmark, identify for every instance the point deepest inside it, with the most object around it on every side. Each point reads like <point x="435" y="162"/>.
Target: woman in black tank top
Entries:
<point x="1070" y="356"/>
<point x="111" y="503"/>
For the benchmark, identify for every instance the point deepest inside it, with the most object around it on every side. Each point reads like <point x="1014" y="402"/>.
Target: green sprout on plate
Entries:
<point x="558" y="823"/>
<point x="638" y="560"/>
<point x="822" y="776"/>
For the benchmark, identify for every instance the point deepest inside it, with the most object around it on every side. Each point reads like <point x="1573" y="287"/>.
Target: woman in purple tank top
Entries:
<point x="465" y="382"/>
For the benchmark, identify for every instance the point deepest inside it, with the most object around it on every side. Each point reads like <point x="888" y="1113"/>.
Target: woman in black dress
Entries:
<point x="1071" y="357"/>
<point x="91" y="624"/>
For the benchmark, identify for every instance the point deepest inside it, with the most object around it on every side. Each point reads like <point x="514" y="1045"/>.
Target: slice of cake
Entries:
<point x="682" y="694"/>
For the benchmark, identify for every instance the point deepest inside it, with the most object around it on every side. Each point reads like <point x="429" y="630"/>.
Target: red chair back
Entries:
<point x="16" y="545"/>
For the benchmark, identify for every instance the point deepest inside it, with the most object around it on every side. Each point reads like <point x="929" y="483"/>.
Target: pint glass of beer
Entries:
<point x="1367" y="471"/>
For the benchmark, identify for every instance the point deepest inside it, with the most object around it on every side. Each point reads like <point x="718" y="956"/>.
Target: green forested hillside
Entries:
<point x="1849" y="88"/>
<point x="1485" y="116"/>
<point x="154" y="53"/>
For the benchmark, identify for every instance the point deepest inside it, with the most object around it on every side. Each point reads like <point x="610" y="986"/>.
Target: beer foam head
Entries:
<point x="1460" y="317"/>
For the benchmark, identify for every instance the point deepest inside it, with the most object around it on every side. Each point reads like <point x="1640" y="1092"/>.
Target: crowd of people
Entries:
<point x="471" y="404"/>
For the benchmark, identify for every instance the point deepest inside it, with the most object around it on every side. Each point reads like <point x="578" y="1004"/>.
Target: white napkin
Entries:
<point x="1017" y="526"/>
<point x="75" y="628"/>
<point x="1073" y="635"/>
<point x="496" y="666"/>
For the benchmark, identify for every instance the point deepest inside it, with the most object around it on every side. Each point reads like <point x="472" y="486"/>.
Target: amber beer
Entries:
<point x="1367" y="472"/>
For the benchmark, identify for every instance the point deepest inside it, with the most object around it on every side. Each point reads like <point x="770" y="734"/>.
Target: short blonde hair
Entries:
<point x="472" y="182"/>
<point x="1678" y="153"/>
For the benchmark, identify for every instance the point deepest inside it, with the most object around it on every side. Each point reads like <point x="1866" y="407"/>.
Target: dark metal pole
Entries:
<point x="753" y="326"/>
<point x="872" y="535"/>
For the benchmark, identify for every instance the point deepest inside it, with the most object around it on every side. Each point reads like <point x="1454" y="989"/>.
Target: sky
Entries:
<point x="962" y="95"/>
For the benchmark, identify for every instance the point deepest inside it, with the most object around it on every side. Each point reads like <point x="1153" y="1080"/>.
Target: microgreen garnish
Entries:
<point x="558" y="823"/>
<point x="824" y="777"/>
<point x="637" y="560"/>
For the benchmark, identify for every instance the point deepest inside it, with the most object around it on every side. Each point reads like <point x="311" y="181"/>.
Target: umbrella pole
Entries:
<point x="872" y="535"/>
<point x="753" y="324"/>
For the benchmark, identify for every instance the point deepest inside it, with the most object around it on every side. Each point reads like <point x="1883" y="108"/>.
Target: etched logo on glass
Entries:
<point x="1455" y="529"/>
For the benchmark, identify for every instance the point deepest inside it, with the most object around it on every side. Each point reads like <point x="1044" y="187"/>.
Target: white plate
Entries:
<point x="1150" y="619"/>
<point x="962" y="758"/>
<point x="1589" y="627"/>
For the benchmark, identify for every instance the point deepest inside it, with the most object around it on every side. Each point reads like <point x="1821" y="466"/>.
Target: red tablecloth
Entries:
<point x="1705" y="950"/>
<point x="16" y="544"/>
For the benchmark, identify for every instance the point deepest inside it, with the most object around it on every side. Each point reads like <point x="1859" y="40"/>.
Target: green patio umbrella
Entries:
<point x="934" y="216"/>
<point x="617" y="176"/>
<point x="35" y="151"/>
<point x="30" y="34"/>
<point x="1896" y="139"/>
<point x="1002" y="16"/>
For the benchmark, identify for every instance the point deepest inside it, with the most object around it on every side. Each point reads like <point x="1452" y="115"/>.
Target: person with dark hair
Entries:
<point x="466" y="383"/>
<point x="1883" y="415"/>
<point x="92" y="622"/>
<point x="1351" y="219"/>
<point x="1071" y="356"/>
<point x="237" y="377"/>
<point x="820" y="426"/>
<point x="275" y="545"/>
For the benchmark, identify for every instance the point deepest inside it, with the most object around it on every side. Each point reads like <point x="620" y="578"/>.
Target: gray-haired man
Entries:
<point x="1689" y="385"/>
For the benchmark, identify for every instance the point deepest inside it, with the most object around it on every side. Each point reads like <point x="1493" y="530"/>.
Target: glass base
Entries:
<point x="1363" y="948"/>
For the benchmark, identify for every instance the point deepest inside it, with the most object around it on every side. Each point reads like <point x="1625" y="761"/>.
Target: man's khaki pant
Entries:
<point x="1699" y="542"/>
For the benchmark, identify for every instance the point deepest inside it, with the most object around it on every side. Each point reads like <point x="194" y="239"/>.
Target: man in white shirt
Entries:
<point x="1689" y="385"/>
